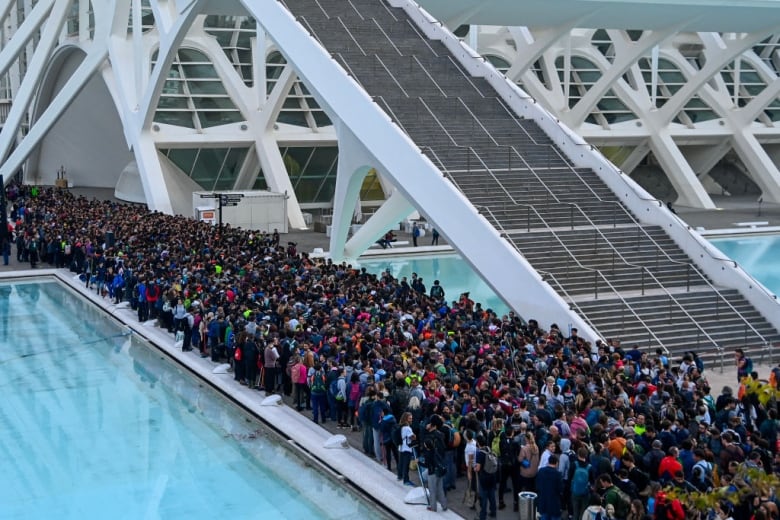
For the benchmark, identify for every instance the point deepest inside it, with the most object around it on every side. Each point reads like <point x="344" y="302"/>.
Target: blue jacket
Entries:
<point x="380" y="407"/>
<point x="549" y="483"/>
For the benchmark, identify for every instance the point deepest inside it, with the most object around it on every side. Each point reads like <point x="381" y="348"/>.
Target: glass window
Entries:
<point x="211" y="168"/>
<point x="371" y="188"/>
<point x="194" y="91"/>
<point x="260" y="183"/>
<point x="183" y="158"/>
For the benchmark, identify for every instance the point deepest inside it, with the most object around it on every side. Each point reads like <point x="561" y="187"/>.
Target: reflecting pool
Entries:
<point x="95" y="423"/>
<point x="758" y="255"/>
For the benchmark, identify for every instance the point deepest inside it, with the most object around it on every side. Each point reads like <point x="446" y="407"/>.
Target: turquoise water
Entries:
<point x="96" y="424"/>
<point x="454" y="274"/>
<point x="757" y="255"/>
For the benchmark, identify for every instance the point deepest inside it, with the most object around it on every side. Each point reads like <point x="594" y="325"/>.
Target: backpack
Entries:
<point x="454" y="438"/>
<point x="396" y="435"/>
<point x="623" y="504"/>
<point x="495" y="446"/>
<point x="437" y="291"/>
<point x="668" y="510"/>
<point x="33" y="245"/>
<point x="354" y="393"/>
<point x="748" y="366"/>
<point x="318" y="382"/>
<point x="491" y="462"/>
<point x="702" y="472"/>
<point x="334" y="390"/>
<point x="580" y="481"/>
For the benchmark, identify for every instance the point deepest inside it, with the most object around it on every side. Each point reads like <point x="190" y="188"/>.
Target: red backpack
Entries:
<point x="354" y="393"/>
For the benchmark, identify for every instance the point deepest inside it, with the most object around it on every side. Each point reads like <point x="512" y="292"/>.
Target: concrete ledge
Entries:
<point x="739" y="231"/>
<point x="405" y="251"/>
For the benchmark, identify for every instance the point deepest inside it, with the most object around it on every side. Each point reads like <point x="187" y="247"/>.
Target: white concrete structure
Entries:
<point x="184" y="97"/>
<point x="156" y="98"/>
<point x="663" y="97"/>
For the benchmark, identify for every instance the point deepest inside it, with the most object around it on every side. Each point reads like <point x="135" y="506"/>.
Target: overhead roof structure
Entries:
<point x="688" y="15"/>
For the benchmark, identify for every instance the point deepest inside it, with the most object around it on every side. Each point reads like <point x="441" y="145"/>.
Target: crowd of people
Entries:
<point x="493" y="405"/>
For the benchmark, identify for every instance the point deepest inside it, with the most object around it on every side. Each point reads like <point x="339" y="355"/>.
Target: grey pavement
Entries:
<point x="729" y="212"/>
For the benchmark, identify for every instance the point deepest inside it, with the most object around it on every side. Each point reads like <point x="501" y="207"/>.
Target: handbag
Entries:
<point x="179" y="335"/>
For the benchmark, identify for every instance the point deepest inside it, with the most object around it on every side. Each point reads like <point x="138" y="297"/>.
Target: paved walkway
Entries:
<point x="730" y="212"/>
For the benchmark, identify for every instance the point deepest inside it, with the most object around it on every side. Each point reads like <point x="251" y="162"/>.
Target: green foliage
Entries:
<point x="747" y="483"/>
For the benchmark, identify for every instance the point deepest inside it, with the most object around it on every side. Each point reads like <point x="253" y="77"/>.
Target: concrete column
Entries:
<point x="690" y="192"/>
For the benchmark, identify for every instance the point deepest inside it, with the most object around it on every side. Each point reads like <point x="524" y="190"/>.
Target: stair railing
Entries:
<point x="643" y="271"/>
<point x="390" y="40"/>
<point x="349" y="33"/>
<point x="560" y="285"/>
<point x="430" y="77"/>
<point x="392" y="76"/>
<point x="688" y="265"/>
<point x="511" y="198"/>
<point x="354" y="9"/>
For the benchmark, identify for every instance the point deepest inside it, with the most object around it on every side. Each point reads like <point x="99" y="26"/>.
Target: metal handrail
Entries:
<point x="513" y="149"/>
<point x="428" y="74"/>
<point x="490" y="171"/>
<point x="322" y="9"/>
<point x="389" y="11"/>
<point x="424" y="40"/>
<point x="465" y="76"/>
<point x="615" y="251"/>
<point x="395" y="119"/>
<point x="571" y="299"/>
<point x="438" y="122"/>
<point x="600" y="274"/>
<point x="387" y="37"/>
<point x="309" y="28"/>
<point x="348" y="69"/>
<point x="637" y="224"/>
<point x="356" y="10"/>
<point x="350" y="34"/>
<point x="725" y="259"/>
<point x="507" y="236"/>
<point x="395" y="80"/>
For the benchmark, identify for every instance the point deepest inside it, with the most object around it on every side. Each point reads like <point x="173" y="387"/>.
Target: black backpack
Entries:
<point x="396" y="435"/>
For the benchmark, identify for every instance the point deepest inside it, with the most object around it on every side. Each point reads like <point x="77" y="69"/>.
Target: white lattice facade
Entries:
<point x="686" y="102"/>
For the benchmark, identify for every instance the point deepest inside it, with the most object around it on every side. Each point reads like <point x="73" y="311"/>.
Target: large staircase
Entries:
<point x="626" y="279"/>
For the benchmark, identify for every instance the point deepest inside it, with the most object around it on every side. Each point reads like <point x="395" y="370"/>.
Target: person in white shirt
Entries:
<point x="550" y="449"/>
<point x="470" y="454"/>
<point x="407" y="439"/>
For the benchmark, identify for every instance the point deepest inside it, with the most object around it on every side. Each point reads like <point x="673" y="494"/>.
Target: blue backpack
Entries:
<point x="580" y="481"/>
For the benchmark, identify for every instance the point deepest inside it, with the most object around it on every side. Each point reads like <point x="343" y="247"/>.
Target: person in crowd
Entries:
<point x="549" y="485"/>
<point x="641" y="413"/>
<point x="486" y="480"/>
<point x="433" y="454"/>
<point x="405" y="450"/>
